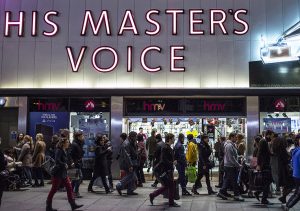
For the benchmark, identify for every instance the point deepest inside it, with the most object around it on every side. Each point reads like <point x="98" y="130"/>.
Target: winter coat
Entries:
<point x="192" y="153"/>
<point x="25" y="156"/>
<point x="241" y="147"/>
<point x="124" y="157"/>
<point x="109" y="154"/>
<point x="167" y="158"/>
<point x="296" y="162"/>
<point x="283" y="167"/>
<point x="151" y="145"/>
<point x="230" y="154"/>
<point x="204" y="154"/>
<point x="100" y="166"/>
<point x="131" y="149"/>
<point x="157" y="154"/>
<point x="179" y="154"/>
<point x="3" y="161"/>
<point x="60" y="168"/>
<point x="76" y="153"/>
<point x="38" y="157"/>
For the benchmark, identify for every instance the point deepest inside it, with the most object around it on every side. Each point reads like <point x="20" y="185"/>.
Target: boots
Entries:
<point x="49" y="206"/>
<point x="75" y="206"/>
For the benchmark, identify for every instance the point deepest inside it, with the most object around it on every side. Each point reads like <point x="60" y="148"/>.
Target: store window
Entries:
<point x="280" y="114"/>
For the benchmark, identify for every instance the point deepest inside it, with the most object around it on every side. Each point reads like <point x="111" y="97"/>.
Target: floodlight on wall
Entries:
<point x="269" y="115"/>
<point x="284" y="115"/>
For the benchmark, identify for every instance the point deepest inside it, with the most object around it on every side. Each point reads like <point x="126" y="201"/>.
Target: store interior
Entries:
<point x="214" y="127"/>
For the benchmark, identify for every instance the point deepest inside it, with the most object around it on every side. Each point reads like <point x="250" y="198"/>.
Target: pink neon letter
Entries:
<point x="244" y="23"/>
<point x="219" y="22"/>
<point x="34" y="24"/>
<point x="194" y="21"/>
<point x="54" y="25"/>
<point x="97" y="51"/>
<point x="75" y="65"/>
<point x="143" y="62"/>
<point x="154" y="22"/>
<point x="174" y="20"/>
<point x="89" y="18"/>
<point x="129" y="59"/>
<point x="9" y="23"/>
<point x="174" y="58"/>
<point x="128" y="16"/>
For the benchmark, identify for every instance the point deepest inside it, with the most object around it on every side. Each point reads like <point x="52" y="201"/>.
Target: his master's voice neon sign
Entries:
<point x="90" y="21"/>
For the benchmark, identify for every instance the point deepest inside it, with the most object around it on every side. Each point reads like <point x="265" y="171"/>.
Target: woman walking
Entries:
<point x="166" y="167"/>
<point x="100" y="167"/>
<point x="38" y="159"/>
<point x="26" y="158"/>
<point x="59" y="175"/>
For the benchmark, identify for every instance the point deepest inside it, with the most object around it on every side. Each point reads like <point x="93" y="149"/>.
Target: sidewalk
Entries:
<point x="34" y="199"/>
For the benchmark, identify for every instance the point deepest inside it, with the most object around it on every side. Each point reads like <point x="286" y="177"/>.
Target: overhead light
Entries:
<point x="2" y="101"/>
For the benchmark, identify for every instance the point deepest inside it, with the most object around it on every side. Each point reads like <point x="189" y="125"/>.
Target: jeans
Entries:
<point x="27" y="171"/>
<point x="170" y="186"/>
<point x="103" y="178"/>
<point x="221" y="173"/>
<point x="230" y="180"/>
<point x="127" y="182"/>
<point x="140" y="173"/>
<point x="38" y="174"/>
<point x="110" y="178"/>
<point x="200" y="176"/>
<point x="150" y="161"/>
<point x="296" y="196"/>
<point x="56" y="182"/>
<point x="182" y="177"/>
<point x="76" y="183"/>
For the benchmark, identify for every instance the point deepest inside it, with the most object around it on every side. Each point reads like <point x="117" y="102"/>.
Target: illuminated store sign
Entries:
<point x="101" y="25"/>
<point x="286" y="48"/>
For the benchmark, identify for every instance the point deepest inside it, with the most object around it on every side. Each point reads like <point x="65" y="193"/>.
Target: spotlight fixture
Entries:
<point x="284" y="115"/>
<point x="178" y="122"/>
<point x="269" y="115"/>
<point x="277" y="115"/>
<point x="2" y="101"/>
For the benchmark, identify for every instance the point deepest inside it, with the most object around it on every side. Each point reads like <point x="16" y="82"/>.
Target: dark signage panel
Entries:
<point x="48" y="104"/>
<point x="216" y="107"/>
<point x="279" y="104"/>
<point x="283" y="74"/>
<point x="185" y="107"/>
<point x="90" y="104"/>
<point x="153" y="107"/>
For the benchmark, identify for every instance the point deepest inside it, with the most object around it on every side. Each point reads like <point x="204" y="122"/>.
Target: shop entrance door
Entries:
<point x="8" y="126"/>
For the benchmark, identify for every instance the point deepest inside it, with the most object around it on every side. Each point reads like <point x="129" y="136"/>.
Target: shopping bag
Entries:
<point x="74" y="174"/>
<point x="191" y="173"/>
<point x="176" y="191"/>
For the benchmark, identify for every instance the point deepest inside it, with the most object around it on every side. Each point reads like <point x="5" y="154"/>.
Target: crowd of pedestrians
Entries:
<point x="276" y="159"/>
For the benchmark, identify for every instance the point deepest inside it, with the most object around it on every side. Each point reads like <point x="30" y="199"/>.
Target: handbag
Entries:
<point x="48" y="165"/>
<point x="74" y="174"/>
<point x="4" y="174"/>
<point x="191" y="173"/>
<point x="211" y="164"/>
<point x="176" y="193"/>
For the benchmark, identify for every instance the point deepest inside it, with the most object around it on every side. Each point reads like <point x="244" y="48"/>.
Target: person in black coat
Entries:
<point x="166" y="166"/>
<point x="264" y="165"/>
<point x="109" y="157"/>
<point x="203" y="165"/>
<point x="160" y="144"/>
<point x="100" y="167"/>
<point x="3" y="164"/>
<point x="60" y="176"/>
<point x="179" y="156"/>
<point x="76" y="153"/>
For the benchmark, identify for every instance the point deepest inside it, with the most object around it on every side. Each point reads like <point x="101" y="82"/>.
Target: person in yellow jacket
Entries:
<point x="192" y="151"/>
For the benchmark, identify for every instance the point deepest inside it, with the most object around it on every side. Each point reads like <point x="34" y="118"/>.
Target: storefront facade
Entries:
<point x="194" y="52"/>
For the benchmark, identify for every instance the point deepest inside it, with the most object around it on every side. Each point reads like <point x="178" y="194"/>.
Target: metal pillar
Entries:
<point x="252" y="122"/>
<point x="22" y="115"/>
<point x="116" y="130"/>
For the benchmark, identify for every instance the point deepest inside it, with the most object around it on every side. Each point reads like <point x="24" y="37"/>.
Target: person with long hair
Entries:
<point x="166" y="166"/>
<point x="264" y="165"/>
<point x="26" y="158"/>
<point x="38" y="159"/>
<point x="100" y="166"/>
<point x="60" y="176"/>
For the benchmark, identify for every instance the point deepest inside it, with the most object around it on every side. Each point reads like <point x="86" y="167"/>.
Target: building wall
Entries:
<point x="210" y="60"/>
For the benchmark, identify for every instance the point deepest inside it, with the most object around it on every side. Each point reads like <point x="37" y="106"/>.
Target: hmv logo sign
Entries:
<point x="153" y="107"/>
<point x="209" y="106"/>
<point x="45" y="106"/>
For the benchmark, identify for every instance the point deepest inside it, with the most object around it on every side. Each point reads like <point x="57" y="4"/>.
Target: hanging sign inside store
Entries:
<point x="100" y="25"/>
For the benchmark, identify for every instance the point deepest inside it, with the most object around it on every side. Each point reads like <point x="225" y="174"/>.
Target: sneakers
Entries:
<point x="222" y="196"/>
<point x="238" y="198"/>
<point x="186" y="193"/>
<point x="174" y="205"/>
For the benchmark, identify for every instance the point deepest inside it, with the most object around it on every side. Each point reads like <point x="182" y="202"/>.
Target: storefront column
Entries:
<point x="252" y="122"/>
<point x="22" y="115"/>
<point x="116" y="130"/>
